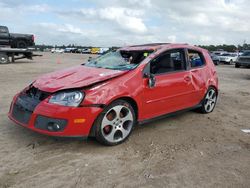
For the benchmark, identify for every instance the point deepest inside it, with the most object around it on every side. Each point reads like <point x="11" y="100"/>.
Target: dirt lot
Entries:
<point x="188" y="150"/>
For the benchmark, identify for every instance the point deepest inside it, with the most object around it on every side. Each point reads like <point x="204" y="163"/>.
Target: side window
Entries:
<point x="195" y="58"/>
<point x="170" y="61"/>
<point x="3" y="30"/>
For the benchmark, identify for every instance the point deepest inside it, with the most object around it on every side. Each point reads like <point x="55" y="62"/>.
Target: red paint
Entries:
<point x="173" y="91"/>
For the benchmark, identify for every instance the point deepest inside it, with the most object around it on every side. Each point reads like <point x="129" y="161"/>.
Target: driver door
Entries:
<point x="173" y="89"/>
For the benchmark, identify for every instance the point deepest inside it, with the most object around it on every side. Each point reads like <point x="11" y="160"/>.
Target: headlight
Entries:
<point x="72" y="98"/>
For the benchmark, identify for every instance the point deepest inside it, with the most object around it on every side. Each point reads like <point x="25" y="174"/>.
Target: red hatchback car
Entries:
<point x="108" y="95"/>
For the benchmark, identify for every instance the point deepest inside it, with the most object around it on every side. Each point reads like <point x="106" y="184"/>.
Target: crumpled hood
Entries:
<point x="75" y="77"/>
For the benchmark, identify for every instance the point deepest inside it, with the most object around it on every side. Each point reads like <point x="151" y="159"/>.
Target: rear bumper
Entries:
<point x="73" y="122"/>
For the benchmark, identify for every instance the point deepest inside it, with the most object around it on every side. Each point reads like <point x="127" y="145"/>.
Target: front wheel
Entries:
<point x="237" y="65"/>
<point x="114" y="125"/>
<point x="209" y="101"/>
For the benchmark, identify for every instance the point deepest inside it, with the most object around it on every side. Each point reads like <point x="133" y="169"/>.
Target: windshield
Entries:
<point x="119" y="60"/>
<point x="246" y="54"/>
<point x="226" y="55"/>
<point x="229" y="55"/>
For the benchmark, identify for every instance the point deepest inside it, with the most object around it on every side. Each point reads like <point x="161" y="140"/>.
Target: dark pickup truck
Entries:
<point x="15" y="40"/>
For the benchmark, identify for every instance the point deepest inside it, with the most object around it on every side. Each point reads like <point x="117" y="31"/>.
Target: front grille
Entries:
<point x="245" y="60"/>
<point x="26" y="104"/>
<point x="20" y="114"/>
<point x="37" y="94"/>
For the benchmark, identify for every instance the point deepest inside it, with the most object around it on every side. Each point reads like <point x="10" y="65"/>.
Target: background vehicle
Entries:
<point x="243" y="60"/>
<point x="215" y="58"/>
<point x="107" y="96"/>
<point x="15" y="40"/>
<point x="228" y="58"/>
<point x="15" y="54"/>
<point x="86" y="51"/>
<point x="57" y="50"/>
<point x="218" y="53"/>
<point x="103" y="50"/>
<point x="95" y="50"/>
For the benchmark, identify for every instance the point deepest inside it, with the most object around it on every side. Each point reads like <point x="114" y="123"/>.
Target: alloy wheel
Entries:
<point x="210" y="100"/>
<point x="117" y="124"/>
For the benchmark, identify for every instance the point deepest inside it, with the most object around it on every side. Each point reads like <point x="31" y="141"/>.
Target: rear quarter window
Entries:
<point x="196" y="59"/>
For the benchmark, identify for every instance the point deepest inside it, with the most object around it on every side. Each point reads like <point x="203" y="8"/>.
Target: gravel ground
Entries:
<point x="188" y="150"/>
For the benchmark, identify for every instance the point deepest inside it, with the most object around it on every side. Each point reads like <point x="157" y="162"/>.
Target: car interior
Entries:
<point x="135" y="57"/>
<point x="168" y="62"/>
<point x="195" y="59"/>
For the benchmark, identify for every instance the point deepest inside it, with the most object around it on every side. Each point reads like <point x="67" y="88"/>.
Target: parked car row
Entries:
<point x="239" y="59"/>
<point x="81" y="51"/>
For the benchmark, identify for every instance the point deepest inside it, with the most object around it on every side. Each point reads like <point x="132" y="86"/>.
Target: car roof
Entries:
<point x="158" y="46"/>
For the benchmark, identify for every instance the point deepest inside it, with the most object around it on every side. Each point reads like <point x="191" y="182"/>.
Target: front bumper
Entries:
<point x="74" y="121"/>
<point x="243" y="63"/>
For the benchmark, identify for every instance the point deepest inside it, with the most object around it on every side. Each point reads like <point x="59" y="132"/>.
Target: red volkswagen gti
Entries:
<point x="107" y="96"/>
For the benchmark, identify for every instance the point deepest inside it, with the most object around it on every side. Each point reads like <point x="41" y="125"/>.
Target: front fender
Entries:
<point x="127" y="86"/>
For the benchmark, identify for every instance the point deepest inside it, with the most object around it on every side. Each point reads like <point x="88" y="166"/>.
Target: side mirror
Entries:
<point x="151" y="79"/>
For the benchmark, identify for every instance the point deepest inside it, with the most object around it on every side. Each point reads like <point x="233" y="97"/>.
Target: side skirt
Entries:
<point x="168" y="115"/>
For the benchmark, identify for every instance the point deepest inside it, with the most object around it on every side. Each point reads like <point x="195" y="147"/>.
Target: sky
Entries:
<point x="125" y="22"/>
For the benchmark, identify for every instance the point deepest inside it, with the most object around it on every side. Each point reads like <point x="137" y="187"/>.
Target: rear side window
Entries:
<point x="170" y="61"/>
<point x="196" y="59"/>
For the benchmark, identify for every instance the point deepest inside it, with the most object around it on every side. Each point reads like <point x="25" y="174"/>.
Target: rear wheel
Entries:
<point x="21" y="44"/>
<point x="209" y="101"/>
<point x="115" y="123"/>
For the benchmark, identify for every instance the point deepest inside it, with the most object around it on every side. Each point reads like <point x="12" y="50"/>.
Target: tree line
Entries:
<point x="229" y="48"/>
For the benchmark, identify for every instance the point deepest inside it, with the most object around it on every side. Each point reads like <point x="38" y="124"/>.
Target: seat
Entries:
<point x="165" y="64"/>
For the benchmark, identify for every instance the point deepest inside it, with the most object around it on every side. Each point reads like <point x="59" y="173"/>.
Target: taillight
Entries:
<point x="33" y="38"/>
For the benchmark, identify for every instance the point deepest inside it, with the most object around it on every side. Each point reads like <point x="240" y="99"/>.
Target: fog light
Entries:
<point x="50" y="124"/>
<point x="54" y="126"/>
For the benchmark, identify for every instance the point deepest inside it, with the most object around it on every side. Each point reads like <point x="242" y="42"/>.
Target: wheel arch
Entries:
<point x="132" y="102"/>
<point x="214" y="87"/>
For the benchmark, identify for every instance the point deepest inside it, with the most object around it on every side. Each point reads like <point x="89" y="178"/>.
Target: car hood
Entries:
<point x="75" y="77"/>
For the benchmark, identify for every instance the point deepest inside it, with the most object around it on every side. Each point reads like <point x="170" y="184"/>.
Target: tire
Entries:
<point x="115" y="124"/>
<point x="21" y="44"/>
<point x="237" y="65"/>
<point x="209" y="102"/>
<point x="4" y="59"/>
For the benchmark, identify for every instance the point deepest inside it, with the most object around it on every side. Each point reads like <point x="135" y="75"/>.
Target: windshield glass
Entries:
<point x="119" y="60"/>
<point x="226" y="55"/>
<point x="246" y="54"/>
